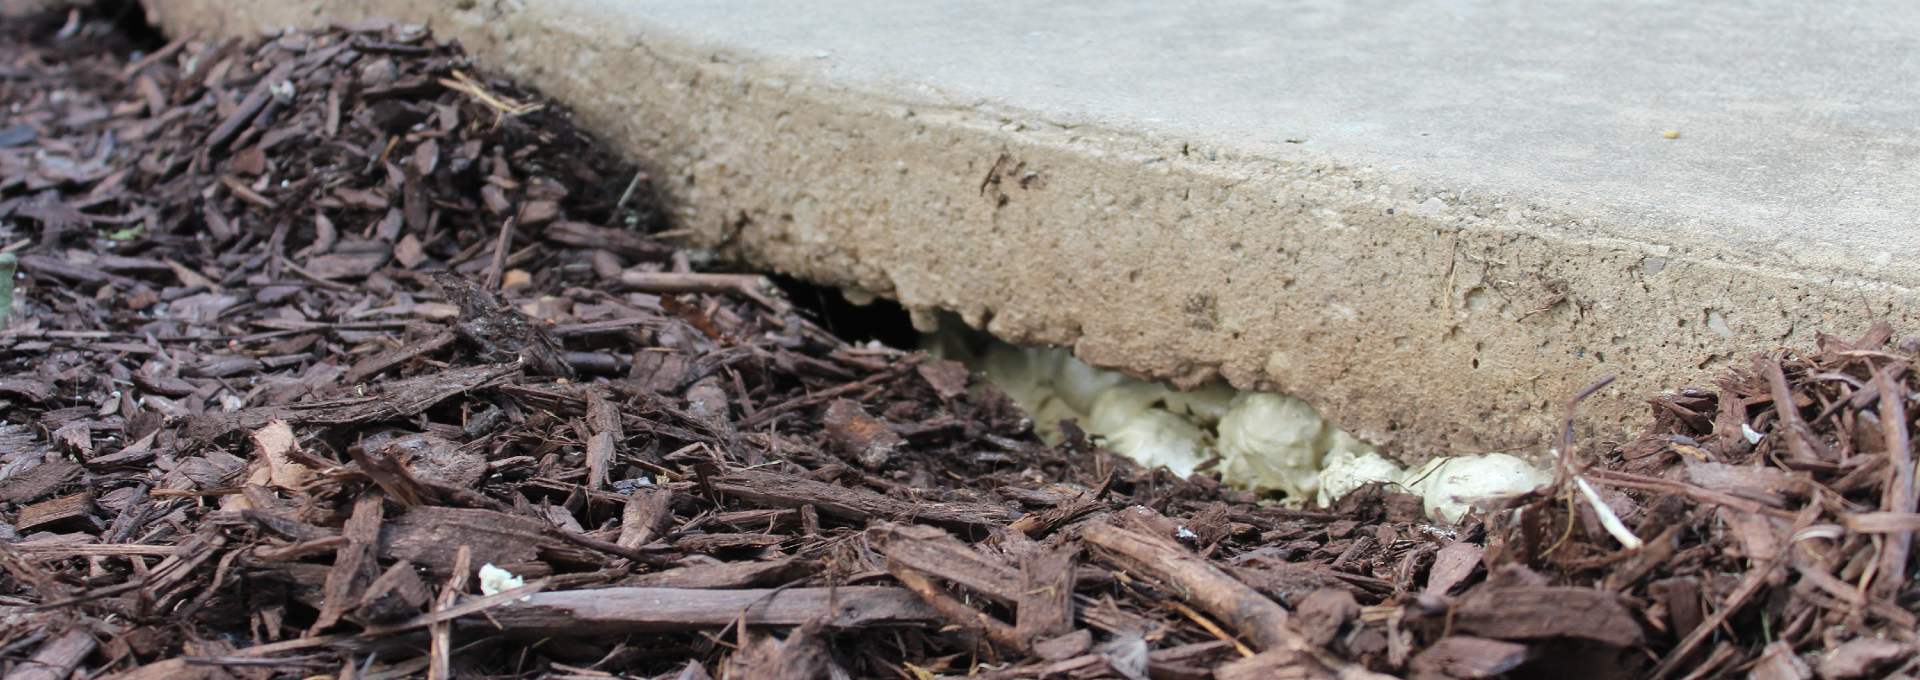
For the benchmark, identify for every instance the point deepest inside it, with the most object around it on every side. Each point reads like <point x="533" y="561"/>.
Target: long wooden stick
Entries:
<point x="979" y="624"/>
<point x="751" y="286"/>
<point x="440" y="644"/>
<point x="1262" y="621"/>
<point x="637" y="610"/>
<point x="1899" y="494"/>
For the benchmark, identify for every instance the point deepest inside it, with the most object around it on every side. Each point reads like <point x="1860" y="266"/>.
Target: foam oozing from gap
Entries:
<point x="1257" y="440"/>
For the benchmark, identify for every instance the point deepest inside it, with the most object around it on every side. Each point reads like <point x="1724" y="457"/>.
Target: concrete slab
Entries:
<point x="1433" y="220"/>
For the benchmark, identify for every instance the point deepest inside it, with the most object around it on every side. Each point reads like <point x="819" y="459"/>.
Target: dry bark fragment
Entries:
<point x="1262" y="621"/>
<point x="432" y="536"/>
<point x="255" y="102"/>
<point x="353" y="563"/>
<point x="1452" y="566"/>
<point x="1799" y="438"/>
<point x="622" y="241"/>
<point x="1323" y="614"/>
<point x="715" y="543"/>
<point x="727" y="575"/>
<point x="947" y="378"/>
<point x="937" y="553"/>
<point x="57" y="659"/>
<point x="1769" y="485"/>
<point x="392" y="476"/>
<point x="389" y="358"/>
<point x="1863" y="657"/>
<point x="38" y="481"/>
<point x="434" y="461"/>
<point x="1276" y="664"/>
<point x="55" y="511"/>
<point x="399" y="399"/>
<point x="1047" y="521"/>
<point x="782" y="490"/>
<point x="396" y="594"/>
<point x="868" y="440"/>
<point x="1681" y="597"/>
<point x="1467" y="658"/>
<point x="1045" y="598"/>
<point x="26" y="389"/>
<point x="802" y="656"/>
<point x="499" y="331"/>
<point x="1779" y="662"/>
<point x="647" y="513"/>
<point x="1543" y="612"/>
<point x="604" y="422"/>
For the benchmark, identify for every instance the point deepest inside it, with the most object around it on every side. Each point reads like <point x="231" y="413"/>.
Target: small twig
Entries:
<point x="1564" y="470"/>
<point x="973" y="620"/>
<point x="1608" y="520"/>
<point x="250" y="107"/>
<point x="440" y="663"/>
<point x="765" y="414"/>
<point x="1899" y="496"/>
<point x="156" y="56"/>
<point x="496" y="269"/>
<point x="751" y="286"/>
<point x="1572" y="519"/>
<point x="1212" y="628"/>
<point x="467" y="608"/>
<point x="628" y="192"/>
<point x="1627" y="480"/>
<point x="1790" y="420"/>
<point x="1567" y="482"/>
<point x="607" y="547"/>
<point x="245" y="193"/>
<point x="501" y="104"/>
<point x="312" y="277"/>
<point x="1264" y="622"/>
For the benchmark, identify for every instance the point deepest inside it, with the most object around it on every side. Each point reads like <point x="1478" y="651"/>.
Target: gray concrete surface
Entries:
<point x="1433" y="220"/>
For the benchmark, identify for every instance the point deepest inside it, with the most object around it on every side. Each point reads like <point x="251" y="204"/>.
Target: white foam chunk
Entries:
<point x="1449" y="486"/>
<point x="1347" y="470"/>
<point x="1079" y="384"/>
<point x="1122" y="403"/>
<point x="494" y="580"/>
<point x="1263" y="441"/>
<point x="1158" y="438"/>
<point x="1269" y="441"/>
<point x="1205" y="405"/>
<point x="1018" y="374"/>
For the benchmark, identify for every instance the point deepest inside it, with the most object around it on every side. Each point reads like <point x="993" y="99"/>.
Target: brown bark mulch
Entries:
<point x="310" y="329"/>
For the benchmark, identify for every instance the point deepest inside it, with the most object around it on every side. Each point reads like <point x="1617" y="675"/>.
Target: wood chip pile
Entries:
<point x="331" y="355"/>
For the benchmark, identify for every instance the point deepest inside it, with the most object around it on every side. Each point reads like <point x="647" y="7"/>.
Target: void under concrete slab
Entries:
<point x="1433" y="220"/>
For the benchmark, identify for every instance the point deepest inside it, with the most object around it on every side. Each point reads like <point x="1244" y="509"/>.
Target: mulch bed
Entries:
<point x="312" y="328"/>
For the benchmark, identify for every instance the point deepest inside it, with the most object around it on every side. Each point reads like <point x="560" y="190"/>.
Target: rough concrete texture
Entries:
<point x="1435" y="221"/>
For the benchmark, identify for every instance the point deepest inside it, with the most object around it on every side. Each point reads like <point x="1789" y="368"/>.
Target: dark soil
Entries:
<point x="310" y="329"/>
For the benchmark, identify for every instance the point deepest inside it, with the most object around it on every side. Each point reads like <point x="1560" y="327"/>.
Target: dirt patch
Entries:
<point x="334" y="356"/>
